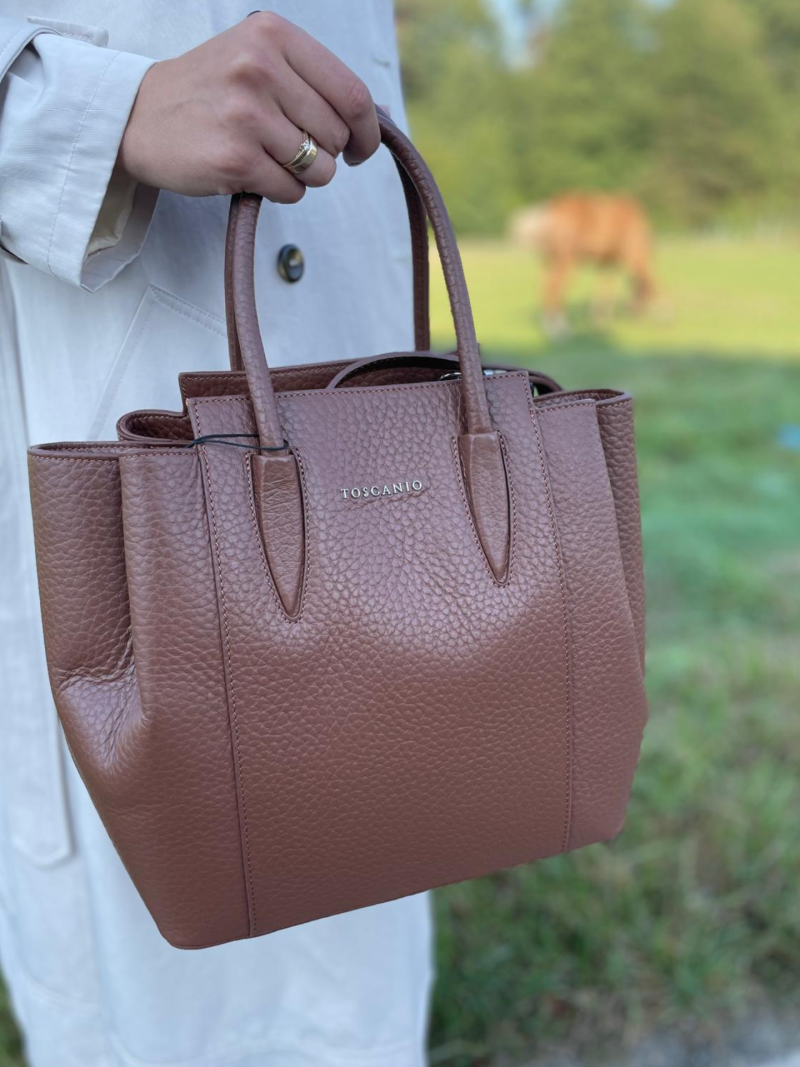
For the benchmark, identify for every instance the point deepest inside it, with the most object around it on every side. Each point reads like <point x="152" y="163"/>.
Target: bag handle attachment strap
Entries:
<point x="481" y="451"/>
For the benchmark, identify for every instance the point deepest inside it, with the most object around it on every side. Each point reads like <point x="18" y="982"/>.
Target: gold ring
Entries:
<point x="303" y="157"/>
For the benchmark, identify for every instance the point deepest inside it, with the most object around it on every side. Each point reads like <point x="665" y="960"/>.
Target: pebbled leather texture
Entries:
<point x="397" y="652"/>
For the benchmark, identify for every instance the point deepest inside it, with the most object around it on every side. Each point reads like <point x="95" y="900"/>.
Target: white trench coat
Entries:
<point x="99" y="311"/>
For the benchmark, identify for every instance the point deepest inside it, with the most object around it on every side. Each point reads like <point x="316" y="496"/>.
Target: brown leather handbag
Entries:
<point x="338" y="633"/>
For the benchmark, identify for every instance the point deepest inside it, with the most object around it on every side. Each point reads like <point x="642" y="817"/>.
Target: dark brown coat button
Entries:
<point x="291" y="263"/>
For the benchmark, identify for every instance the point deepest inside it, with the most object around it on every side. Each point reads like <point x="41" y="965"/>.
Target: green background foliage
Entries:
<point x="693" y="105"/>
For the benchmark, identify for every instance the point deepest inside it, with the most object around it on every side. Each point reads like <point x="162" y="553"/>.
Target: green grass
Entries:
<point x="691" y="919"/>
<point x="735" y="298"/>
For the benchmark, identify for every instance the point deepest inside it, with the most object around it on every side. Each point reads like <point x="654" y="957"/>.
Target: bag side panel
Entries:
<point x="83" y="591"/>
<point x="607" y="693"/>
<point x="175" y="814"/>
<point x="615" y="419"/>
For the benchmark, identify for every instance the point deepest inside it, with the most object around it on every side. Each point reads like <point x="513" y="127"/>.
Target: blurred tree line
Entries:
<point x="693" y="105"/>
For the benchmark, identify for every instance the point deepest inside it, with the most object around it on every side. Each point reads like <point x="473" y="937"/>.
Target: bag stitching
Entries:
<point x="549" y="403"/>
<point x="175" y="453"/>
<point x="563" y="407"/>
<point x="607" y="412"/>
<point x="567" y="629"/>
<point x="512" y="505"/>
<point x="156" y="415"/>
<point x="234" y="716"/>
<point x="322" y="394"/>
<point x="116" y="458"/>
<point x="75" y="459"/>
<point x="283" y="372"/>
<point x="148" y="454"/>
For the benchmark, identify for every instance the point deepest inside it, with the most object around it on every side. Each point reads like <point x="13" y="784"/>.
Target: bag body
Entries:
<point x="339" y="633"/>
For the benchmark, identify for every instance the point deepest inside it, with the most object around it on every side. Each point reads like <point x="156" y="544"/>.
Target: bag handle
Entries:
<point x="418" y="225"/>
<point x="242" y="316"/>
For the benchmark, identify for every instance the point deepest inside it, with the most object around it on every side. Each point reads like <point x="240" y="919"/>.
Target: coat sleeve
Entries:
<point x="64" y="104"/>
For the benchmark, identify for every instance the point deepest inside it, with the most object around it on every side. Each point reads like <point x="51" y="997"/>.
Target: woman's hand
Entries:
<point x="223" y="117"/>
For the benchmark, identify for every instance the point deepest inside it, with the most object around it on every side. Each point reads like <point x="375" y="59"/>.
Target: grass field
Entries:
<point x="691" y="919"/>
<point x="730" y="297"/>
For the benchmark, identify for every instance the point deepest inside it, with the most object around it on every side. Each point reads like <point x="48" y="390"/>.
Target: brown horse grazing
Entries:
<point x="576" y="228"/>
